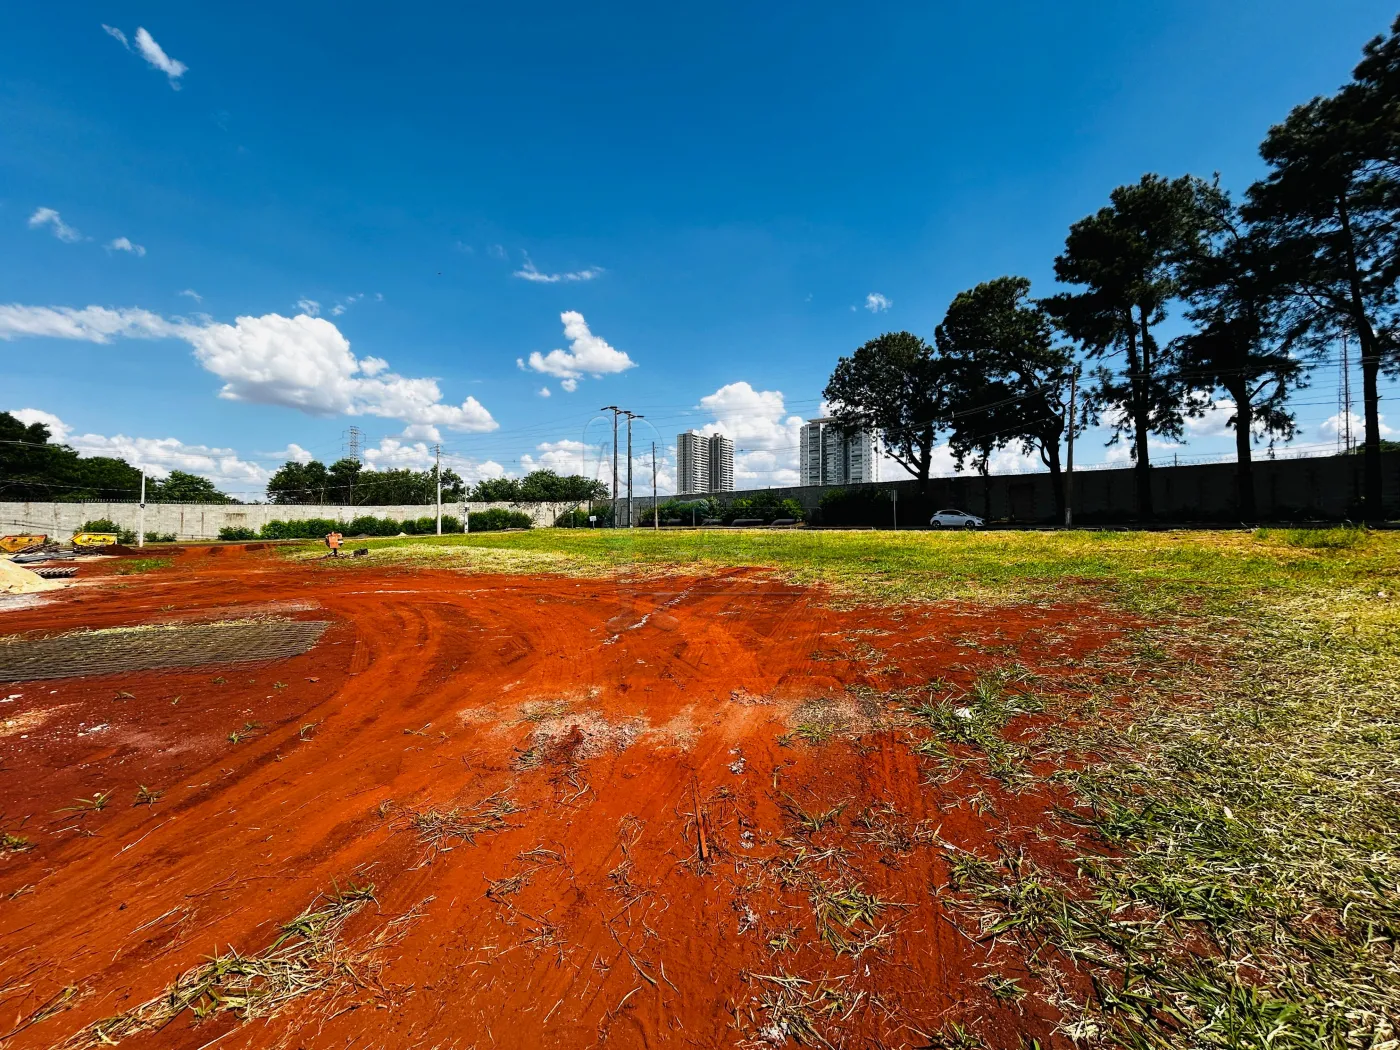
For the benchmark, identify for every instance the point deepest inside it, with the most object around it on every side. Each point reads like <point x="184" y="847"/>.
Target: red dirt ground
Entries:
<point x="633" y="725"/>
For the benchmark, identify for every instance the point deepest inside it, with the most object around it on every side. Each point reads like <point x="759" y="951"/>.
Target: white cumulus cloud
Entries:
<point x="52" y="219"/>
<point x="588" y="354"/>
<point x="877" y="303"/>
<point x="299" y="362"/>
<point x="764" y="433"/>
<point x="159" y="456"/>
<point x="123" y="244"/>
<point x="1332" y="426"/>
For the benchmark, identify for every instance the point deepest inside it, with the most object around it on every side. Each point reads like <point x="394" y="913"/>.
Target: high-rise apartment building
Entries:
<point x="828" y="456"/>
<point x="704" y="464"/>
<point x="721" y="464"/>
<point x="692" y="463"/>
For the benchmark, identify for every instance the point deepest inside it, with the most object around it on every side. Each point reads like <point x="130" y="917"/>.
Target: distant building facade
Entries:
<point x="704" y="464"/>
<point x="721" y="464"/>
<point x="828" y="456"/>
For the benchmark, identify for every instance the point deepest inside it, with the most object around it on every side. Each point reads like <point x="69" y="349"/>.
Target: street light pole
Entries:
<point x="141" y="516"/>
<point x="616" y="412"/>
<point x="630" y="416"/>
<point x="437" y="469"/>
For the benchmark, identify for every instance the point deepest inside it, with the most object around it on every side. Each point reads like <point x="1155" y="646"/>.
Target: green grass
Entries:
<point x="1143" y="571"/>
<point x="137" y="565"/>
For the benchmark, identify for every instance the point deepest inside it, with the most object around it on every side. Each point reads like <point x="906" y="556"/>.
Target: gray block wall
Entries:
<point x="202" y="521"/>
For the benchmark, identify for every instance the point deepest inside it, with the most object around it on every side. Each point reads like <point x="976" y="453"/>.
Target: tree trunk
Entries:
<point x="1142" y="470"/>
<point x="1244" y="457"/>
<point x="1370" y="370"/>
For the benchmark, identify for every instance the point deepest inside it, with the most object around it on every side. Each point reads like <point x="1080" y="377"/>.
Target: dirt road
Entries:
<point x="664" y="812"/>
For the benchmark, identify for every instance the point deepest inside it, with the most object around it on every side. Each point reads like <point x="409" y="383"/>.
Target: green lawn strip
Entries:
<point x="1148" y="572"/>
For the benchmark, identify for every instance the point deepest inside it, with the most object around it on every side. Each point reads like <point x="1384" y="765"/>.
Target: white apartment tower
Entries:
<point x="829" y="457"/>
<point x="704" y="464"/>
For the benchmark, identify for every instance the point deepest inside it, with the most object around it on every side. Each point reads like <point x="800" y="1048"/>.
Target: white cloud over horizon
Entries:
<point x="588" y="354"/>
<point x="300" y="362"/>
<point x="877" y="303"/>
<point x="159" y="456"/>
<point x="764" y="433"/>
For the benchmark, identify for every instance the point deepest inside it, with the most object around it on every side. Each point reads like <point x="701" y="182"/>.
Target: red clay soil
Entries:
<point x="642" y="878"/>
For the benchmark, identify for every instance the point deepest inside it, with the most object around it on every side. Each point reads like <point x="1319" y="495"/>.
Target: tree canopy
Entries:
<point x="1126" y="257"/>
<point x="32" y="467"/>
<point x="345" y="483"/>
<point x="891" y="385"/>
<point x="539" y="486"/>
<point x="1006" y="376"/>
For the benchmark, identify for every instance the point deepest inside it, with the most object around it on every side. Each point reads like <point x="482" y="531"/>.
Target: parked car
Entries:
<point x="956" y="519"/>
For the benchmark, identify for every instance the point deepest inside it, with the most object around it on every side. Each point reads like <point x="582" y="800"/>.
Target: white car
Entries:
<point x="956" y="519"/>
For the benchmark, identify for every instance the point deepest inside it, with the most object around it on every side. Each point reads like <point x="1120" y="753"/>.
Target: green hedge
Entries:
<point x="364" y="525"/>
<point x="237" y="532"/>
<point x="498" y="518"/>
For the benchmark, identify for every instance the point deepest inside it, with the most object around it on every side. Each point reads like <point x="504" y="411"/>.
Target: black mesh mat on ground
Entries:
<point x="84" y="653"/>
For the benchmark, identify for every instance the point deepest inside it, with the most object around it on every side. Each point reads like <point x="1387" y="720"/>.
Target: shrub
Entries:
<point x="450" y="524"/>
<point x="498" y="518"/>
<point x="305" y="529"/>
<point x="578" y="518"/>
<point x="108" y="525"/>
<point x="237" y="532"/>
<point x="373" y="525"/>
<point x="160" y="537"/>
<point x="764" y="505"/>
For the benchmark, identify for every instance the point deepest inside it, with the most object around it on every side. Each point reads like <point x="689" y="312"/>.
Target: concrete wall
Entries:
<point x="202" y="521"/>
<point x="1324" y="487"/>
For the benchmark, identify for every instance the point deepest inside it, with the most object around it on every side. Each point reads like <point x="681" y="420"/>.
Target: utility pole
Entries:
<point x="616" y="412"/>
<point x="437" y="469"/>
<point x="655" y="510"/>
<point x="630" y="416"/>
<point x="1344" y="431"/>
<point x="1069" y="464"/>
<point x="141" y="513"/>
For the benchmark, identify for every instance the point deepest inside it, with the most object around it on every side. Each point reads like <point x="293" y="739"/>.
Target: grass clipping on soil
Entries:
<point x="306" y="957"/>
<point x="1251" y="893"/>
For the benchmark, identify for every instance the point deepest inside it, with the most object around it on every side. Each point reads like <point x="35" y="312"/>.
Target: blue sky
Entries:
<point x="695" y="208"/>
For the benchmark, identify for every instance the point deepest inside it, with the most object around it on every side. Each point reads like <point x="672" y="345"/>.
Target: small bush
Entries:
<point x="578" y="519"/>
<point x="372" y="525"/>
<point x="450" y="524"/>
<point x="126" y="536"/>
<point x="498" y="518"/>
<point x="160" y="537"/>
<point x="305" y="529"/>
<point x="237" y="532"/>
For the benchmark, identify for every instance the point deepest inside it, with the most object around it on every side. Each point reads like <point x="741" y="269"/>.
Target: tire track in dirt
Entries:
<point x="426" y="695"/>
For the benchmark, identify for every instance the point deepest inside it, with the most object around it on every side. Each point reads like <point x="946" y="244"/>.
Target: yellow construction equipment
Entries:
<point x="94" y="539"/>
<point x="11" y="544"/>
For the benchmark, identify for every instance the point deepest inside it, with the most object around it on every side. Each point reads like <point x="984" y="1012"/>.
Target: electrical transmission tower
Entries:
<point x="354" y="443"/>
